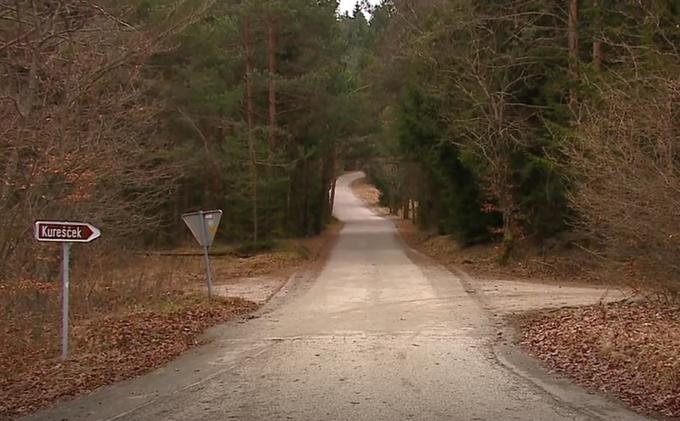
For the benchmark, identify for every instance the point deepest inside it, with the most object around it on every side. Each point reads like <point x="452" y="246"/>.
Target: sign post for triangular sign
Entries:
<point x="203" y="225"/>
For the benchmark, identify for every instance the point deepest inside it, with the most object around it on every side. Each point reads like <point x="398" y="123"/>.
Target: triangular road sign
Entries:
<point x="204" y="233"/>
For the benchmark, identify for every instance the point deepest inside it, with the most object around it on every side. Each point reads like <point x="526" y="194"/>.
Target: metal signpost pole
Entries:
<point x="66" y="248"/>
<point x="205" y="252"/>
<point x="65" y="233"/>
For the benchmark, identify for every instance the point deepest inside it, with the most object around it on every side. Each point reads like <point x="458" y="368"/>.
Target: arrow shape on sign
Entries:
<point x="66" y="232"/>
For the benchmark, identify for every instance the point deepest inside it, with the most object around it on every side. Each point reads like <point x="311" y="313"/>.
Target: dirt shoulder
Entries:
<point x="132" y="318"/>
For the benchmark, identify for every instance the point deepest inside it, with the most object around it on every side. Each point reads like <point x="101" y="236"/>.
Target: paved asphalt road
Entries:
<point x="374" y="337"/>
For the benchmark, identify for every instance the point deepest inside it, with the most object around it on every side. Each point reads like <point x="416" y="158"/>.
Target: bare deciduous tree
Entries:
<point x="78" y="124"/>
<point x="626" y="161"/>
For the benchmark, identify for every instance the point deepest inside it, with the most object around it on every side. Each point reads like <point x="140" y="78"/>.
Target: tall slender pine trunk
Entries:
<point x="598" y="50"/>
<point x="272" y="46"/>
<point x="250" y="118"/>
<point x="573" y="51"/>
<point x="327" y="180"/>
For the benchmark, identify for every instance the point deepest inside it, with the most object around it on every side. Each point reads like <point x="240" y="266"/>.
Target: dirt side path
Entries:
<point x="502" y="293"/>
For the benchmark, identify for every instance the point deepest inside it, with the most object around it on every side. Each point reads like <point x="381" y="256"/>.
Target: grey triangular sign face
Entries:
<point x="212" y="221"/>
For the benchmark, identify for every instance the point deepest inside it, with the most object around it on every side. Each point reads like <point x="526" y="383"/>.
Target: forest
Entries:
<point x="533" y="123"/>
<point x="508" y="121"/>
<point x="130" y="113"/>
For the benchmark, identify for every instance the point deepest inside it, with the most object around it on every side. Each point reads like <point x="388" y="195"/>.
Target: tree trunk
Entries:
<point x="306" y="211"/>
<point x="332" y="198"/>
<point x="250" y="117"/>
<point x="328" y="175"/>
<point x="272" y="46"/>
<point x="573" y="50"/>
<point x="287" y="223"/>
<point x="508" y="237"/>
<point x="598" y="52"/>
<point x="510" y="229"/>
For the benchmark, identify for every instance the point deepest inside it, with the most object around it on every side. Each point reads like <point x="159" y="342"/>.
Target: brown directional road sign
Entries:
<point x="65" y="232"/>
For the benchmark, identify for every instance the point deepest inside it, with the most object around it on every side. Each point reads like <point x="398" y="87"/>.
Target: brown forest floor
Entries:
<point x="125" y="321"/>
<point x="628" y="350"/>
<point x="106" y="349"/>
